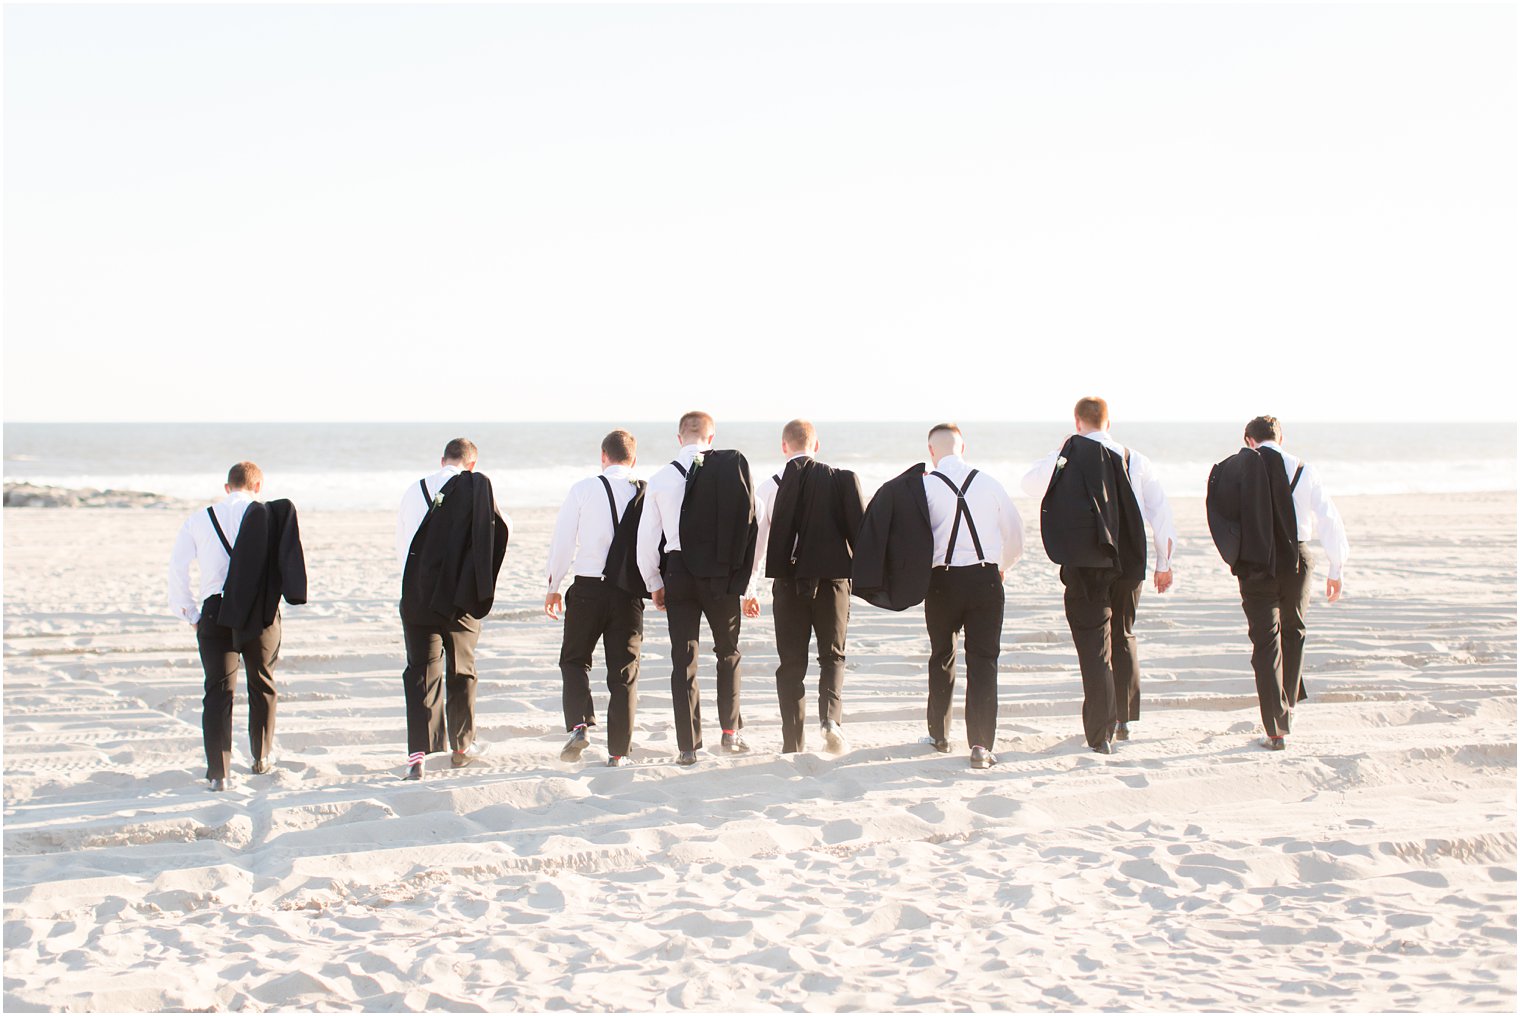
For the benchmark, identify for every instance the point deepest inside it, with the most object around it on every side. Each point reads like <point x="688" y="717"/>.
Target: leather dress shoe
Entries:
<point x="981" y="758"/>
<point x="578" y="743"/>
<point x="941" y="745"/>
<point x="1121" y="732"/>
<point x="261" y="766"/>
<point x="614" y="761"/>
<point x="413" y="771"/>
<point x="734" y="743"/>
<point x="1105" y="748"/>
<point x="686" y="758"/>
<point x="1274" y="743"/>
<point x="218" y="783"/>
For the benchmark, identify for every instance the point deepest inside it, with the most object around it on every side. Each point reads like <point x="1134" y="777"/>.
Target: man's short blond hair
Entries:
<point x="798" y="435"/>
<point x="244" y="476"/>
<point x="696" y="424"/>
<point x="1092" y="411"/>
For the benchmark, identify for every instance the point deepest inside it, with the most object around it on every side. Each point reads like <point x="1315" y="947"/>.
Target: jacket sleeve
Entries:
<point x="483" y="538"/>
<point x="868" y="569"/>
<point x="292" y="561"/>
<point x="853" y="504"/>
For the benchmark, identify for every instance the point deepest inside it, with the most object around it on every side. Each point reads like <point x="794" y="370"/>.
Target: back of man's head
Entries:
<point x="946" y="439"/>
<point x="1264" y="428"/>
<point x="245" y="476"/>
<point x="460" y="451"/>
<point x="694" y="427"/>
<point x="620" y="447"/>
<point x="798" y="436"/>
<point x="1092" y="411"/>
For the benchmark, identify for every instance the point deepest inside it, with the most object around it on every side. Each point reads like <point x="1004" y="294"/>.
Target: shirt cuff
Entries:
<point x="653" y="583"/>
<point x="1335" y="571"/>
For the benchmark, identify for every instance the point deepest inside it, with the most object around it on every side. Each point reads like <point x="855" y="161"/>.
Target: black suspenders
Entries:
<point x="679" y="468"/>
<point x="425" y="495"/>
<point x="219" y="534"/>
<point x="1296" y="474"/>
<point x="961" y="509"/>
<point x="611" y="502"/>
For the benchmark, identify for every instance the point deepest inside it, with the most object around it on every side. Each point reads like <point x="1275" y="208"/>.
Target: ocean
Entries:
<point x="370" y="466"/>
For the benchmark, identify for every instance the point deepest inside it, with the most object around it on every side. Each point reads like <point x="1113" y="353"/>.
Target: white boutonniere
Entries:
<point x="696" y="460"/>
<point x="1060" y="463"/>
<point x="438" y="500"/>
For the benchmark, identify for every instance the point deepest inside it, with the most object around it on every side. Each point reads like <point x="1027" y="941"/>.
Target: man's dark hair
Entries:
<point x="1264" y="428"/>
<point x="1092" y="411"/>
<point x="620" y="446"/>
<point x="461" y="450"/>
<point x="952" y="428"/>
<point x="244" y="476"/>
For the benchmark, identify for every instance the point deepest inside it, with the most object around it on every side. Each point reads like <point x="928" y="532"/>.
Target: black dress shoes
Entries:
<point x="1121" y="732"/>
<point x="413" y="771"/>
<point x="734" y="743"/>
<point x="218" y="784"/>
<point x="940" y="745"/>
<point x="981" y="758"/>
<point x="686" y="758"/>
<point x="578" y="743"/>
<point x="1274" y="744"/>
<point x="1105" y="748"/>
<point x="261" y="766"/>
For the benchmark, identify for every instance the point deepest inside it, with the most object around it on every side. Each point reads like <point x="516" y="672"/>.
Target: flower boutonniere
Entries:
<point x="1060" y="463"/>
<point x="438" y="500"/>
<point x="696" y="460"/>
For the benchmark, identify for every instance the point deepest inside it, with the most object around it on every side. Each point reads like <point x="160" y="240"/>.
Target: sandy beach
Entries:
<point x="1370" y="867"/>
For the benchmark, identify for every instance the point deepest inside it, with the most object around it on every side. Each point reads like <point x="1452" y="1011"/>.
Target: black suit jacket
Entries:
<point x="267" y="562"/>
<point x="894" y="550"/>
<point x="456" y="555"/>
<point x="1251" y="514"/>
<point x="818" y="510"/>
<point x="622" y="567"/>
<point x="1089" y="517"/>
<point x="717" y="526"/>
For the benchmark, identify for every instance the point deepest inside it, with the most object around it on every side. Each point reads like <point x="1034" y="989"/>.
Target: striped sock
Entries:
<point x="415" y="757"/>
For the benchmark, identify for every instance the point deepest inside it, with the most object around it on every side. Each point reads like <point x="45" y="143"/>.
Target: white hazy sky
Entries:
<point x="353" y="213"/>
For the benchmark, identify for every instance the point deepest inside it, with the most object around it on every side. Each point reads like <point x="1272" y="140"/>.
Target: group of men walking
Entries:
<point x="699" y="538"/>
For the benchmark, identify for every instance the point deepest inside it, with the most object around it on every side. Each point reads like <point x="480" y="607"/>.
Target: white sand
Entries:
<point x="1372" y="866"/>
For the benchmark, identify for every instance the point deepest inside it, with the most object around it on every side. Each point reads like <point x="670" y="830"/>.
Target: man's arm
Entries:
<point x="765" y="504"/>
<point x="408" y="518"/>
<point x="562" y="547"/>
<point x="182" y="601"/>
<point x="1012" y="527"/>
<point x="1158" y="512"/>
<point x="651" y="528"/>
<point x="1331" y="531"/>
<point x="1037" y="480"/>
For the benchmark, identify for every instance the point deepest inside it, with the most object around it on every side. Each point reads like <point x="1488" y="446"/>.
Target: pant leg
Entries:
<point x="259" y="659"/>
<point x="585" y="619"/>
<point x="683" y="615"/>
<point x="942" y="616"/>
<point x="1089" y="616"/>
<point x="422" y="681"/>
<point x="794" y="630"/>
<point x="219" y="662"/>
<point x="1123" y="603"/>
<point x="622" y="639"/>
<point x="1293" y="608"/>
<point x="831" y="623"/>
<point x="723" y="619"/>
<point x="1259" y="598"/>
<point x="459" y="641"/>
<point x="984" y="642"/>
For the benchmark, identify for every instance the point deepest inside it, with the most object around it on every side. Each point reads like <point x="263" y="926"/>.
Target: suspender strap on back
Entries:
<point x="218" y="527"/>
<point x="961" y="509"/>
<point x="611" y="502"/>
<point x="426" y="497"/>
<point x="1296" y="474"/>
<point x="679" y="468"/>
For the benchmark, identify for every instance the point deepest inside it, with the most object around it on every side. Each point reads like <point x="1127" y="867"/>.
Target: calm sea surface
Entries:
<point x="354" y="466"/>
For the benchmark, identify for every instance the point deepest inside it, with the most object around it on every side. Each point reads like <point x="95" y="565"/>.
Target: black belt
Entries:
<point x="963" y="567"/>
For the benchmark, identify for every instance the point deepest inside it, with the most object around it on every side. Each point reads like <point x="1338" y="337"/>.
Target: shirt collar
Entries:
<point x="618" y="471"/>
<point x="689" y="452"/>
<point x="237" y="497"/>
<point x="954" y="462"/>
<point x="1104" y="438"/>
<point x="1269" y="444"/>
<point x="800" y="455"/>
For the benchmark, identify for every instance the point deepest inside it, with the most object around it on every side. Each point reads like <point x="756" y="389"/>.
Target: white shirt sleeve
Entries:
<point x="1328" y="525"/>
<point x="1037" y="480"/>
<point x="1012" y="527"/>
<point x="408" y="518"/>
<point x="762" y="542"/>
<point x="182" y="601"/>
<point x="1158" y="512"/>
<point x="651" y="528"/>
<point x="566" y="528"/>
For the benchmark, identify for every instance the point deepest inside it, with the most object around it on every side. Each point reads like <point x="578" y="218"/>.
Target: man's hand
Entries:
<point x="553" y="604"/>
<point x="752" y="607"/>
<point x="1163" y="580"/>
<point x="195" y="626"/>
<point x="1002" y="574"/>
<point x="659" y="598"/>
<point x="1332" y="590"/>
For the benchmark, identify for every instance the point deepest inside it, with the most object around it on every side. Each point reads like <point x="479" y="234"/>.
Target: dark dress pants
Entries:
<point x="804" y="611"/>
<point x="1275" y="607"/>
<point x="597" y="611"/>
<point x="219" y="660"/>
<point x="440" y="659"/>
<point x="1100" y="610"/>
<point x="969" y="598"/>
<point x="687" y="600"/>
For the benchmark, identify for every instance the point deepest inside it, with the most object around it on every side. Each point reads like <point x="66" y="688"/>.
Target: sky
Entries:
<point x="845" y="213"/>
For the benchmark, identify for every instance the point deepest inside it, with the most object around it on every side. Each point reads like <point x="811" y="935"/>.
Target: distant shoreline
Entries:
<point x="31" y="495"/>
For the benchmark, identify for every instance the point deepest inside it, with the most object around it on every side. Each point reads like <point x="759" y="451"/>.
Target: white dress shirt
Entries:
<point x="662" y="514"/>
<point x="1315" y="511"/>
<point x="197" y="541"/>
<point x="998" y="524"/>
<point x="765" y="510"/>
<point x="414" y="509"/>
<point x="1154" y="507"/>
<point x="584" y="529"/>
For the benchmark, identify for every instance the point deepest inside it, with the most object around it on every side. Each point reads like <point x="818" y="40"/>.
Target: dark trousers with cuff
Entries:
<point x="805" y="610"/>
<point x="970" y="597"/>
<point x="597" y="611"/>
<point x="1100" y="610"/>
<point x="1275" y="607"/>
<point x="688" y="599"/>
<point x="440" y="659"/>
<point x="219" y="660"/>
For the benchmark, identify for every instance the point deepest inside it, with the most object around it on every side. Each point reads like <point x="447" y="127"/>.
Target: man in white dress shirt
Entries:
<point x="686" y="596"/>
<point x="207" y="538"/>
<point x="595" y="609"/>
<point x="439" y="679"/>
<point x="1276" y="605"/>
<point x="1104" y="631"/>
<point x="978" y="536"/>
